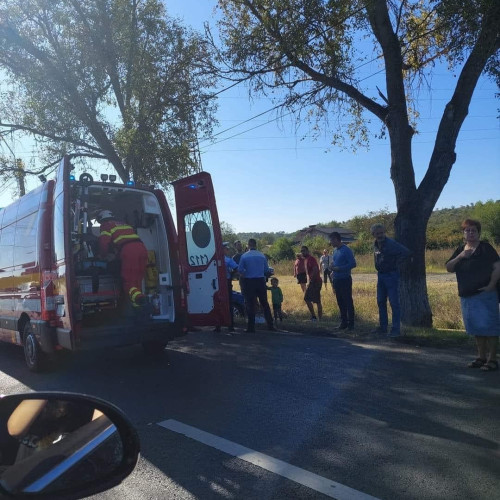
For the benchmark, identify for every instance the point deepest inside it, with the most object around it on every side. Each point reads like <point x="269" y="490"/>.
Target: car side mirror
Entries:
<point x="63" y="445"/>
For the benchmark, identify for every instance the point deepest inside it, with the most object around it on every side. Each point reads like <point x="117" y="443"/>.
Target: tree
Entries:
<point x="111" y="79"/>
<point x="313" y="50"/>
<point x="282" y="249"/>
<point x="315" y="244"/>
<point x="227" y="232"/>
<point x="489" y="215"/>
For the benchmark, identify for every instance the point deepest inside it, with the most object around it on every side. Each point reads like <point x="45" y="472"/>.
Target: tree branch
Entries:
<point x="330" y="81"/>
<point x="15" y="127"/>
<point x="444" y="156"/>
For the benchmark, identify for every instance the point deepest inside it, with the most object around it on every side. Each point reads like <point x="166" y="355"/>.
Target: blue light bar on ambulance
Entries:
<point x="196" y="185"/>
<point x="130" y="183"/>
<point x="72" y="177"/>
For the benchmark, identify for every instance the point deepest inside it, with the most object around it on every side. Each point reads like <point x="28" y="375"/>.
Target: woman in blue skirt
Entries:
<point x="477" y="266"/>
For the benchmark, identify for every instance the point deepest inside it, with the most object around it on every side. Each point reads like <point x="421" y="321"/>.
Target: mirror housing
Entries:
<point x="63" y="445"/>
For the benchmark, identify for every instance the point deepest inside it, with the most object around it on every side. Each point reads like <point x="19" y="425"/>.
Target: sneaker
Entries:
<point x="314" y="318"/>
<point x="394" y="334"/>
<point x="379" y="330"/>
<point x="342" y="326"/>
<point x="272" y="329"/>
<point x="250" y="330"/>
<point x="350" y="328"/>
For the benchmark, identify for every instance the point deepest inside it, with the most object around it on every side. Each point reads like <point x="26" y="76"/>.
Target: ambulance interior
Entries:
<point x="99" y="278"/>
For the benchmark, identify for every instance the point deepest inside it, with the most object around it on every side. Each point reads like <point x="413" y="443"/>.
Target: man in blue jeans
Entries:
<point x="388" y="254"/>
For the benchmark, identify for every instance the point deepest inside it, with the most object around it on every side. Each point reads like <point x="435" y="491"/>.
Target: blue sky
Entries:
<point x="268" y="178"/>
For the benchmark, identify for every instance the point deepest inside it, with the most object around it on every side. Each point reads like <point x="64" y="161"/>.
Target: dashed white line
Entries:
<point x="301" y="476"/>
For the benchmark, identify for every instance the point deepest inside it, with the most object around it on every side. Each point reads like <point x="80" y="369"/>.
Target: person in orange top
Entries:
<point x="299" y="271"/>
<point x="120" y="239"/>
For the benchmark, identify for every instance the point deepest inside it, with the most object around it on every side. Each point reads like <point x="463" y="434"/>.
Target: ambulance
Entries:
<point x="57" y="293"/>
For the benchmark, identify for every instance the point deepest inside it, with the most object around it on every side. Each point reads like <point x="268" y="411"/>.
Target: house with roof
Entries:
<point x="314" y="230"/>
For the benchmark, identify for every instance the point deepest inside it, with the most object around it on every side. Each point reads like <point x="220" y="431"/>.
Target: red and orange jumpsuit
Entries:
<point x="121" y="238"/>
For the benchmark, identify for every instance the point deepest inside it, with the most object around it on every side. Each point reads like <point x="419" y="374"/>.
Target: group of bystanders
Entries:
<point x="476" y="264"/>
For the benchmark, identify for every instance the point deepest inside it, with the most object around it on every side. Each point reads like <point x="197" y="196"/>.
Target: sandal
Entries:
<point x="490" y="366"/>
<point x="477" y="363"/>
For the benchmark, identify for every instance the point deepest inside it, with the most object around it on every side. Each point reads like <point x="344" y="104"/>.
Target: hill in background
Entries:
<point x="443" y="230"/>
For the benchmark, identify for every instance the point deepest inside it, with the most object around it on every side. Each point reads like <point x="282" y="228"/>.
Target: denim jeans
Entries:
<point x="388" y="288"/>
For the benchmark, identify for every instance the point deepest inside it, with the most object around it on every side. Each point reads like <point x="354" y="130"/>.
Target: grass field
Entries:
<point x="442" y="291"/>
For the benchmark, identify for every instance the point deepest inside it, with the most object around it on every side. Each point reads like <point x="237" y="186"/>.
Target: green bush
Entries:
<point x="282" y="249"/>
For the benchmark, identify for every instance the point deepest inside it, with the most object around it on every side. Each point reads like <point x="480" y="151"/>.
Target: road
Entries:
<point x="357" y="418"/>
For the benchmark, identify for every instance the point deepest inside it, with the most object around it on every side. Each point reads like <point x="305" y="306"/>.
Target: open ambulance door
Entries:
<point x="201" y="252"/>
<point x="64" y="297"/>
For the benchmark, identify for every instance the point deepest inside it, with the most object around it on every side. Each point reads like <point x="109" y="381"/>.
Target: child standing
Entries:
<point x="276" y="299"/>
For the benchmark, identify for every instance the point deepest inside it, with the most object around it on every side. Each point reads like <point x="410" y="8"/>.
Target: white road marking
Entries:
<point x="301" y="476"/>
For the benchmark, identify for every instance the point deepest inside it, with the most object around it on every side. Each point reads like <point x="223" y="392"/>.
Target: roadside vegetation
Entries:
<point x="447" y="317"/>
<point x="443" y="235"/>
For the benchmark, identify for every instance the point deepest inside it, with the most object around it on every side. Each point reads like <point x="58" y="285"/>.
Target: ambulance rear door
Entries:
<point x="63" y="275"/>
<point x="201" y="252"/>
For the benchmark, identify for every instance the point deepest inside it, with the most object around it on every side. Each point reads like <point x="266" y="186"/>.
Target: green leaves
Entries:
<point x="108" y="78"/>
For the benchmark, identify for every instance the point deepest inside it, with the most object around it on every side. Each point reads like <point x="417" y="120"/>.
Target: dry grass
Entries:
<point x="435" y="263"/>
<point x="443" y="298"/>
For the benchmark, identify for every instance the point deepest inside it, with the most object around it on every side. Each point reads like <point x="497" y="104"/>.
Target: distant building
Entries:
<point x="312" y="231"/>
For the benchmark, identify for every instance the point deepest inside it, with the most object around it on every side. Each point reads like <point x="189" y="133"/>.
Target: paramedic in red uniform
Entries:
<point x="121" y="239"/>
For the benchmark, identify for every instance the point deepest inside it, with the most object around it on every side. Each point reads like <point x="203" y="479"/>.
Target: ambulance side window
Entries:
<point x="199" y="238"/>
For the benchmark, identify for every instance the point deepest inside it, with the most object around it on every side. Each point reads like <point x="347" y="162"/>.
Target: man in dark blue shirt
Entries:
<point x="388" y="254"/>
<point x="253" y="267"/>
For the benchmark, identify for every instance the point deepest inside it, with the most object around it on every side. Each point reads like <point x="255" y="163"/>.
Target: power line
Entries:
<point x="328" y="146"/>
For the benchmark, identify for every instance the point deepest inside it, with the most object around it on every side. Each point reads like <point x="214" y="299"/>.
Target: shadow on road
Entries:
<point x="381" y="419"/>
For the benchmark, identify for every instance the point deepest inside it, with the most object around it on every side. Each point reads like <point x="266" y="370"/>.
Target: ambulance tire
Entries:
<point x="35" y="358"/>
<point x="238" y="311"/>
<point x="154" y="348"/>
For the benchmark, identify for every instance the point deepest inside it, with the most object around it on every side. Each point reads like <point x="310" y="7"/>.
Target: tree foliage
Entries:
<point x="317" y="52"/>
<point x="315" y="244"/>
<point x="113" y="79"/>
<point x="489" y="215"/>
<point x="282" y="249"/>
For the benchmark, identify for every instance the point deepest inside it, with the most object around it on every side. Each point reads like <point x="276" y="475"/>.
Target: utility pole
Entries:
<point x="21" y="175"/>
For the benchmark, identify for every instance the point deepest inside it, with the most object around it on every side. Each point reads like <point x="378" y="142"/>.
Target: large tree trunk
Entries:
<point x="410" y="227"/>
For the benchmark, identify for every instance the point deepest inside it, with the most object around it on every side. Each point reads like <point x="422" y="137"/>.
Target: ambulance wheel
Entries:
<point x="238" y="311"/>
<point x="35" y="358"/>
<point x="154" y="347"/>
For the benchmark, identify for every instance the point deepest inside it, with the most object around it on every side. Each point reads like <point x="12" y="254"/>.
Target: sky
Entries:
<point x="268" y="178"/>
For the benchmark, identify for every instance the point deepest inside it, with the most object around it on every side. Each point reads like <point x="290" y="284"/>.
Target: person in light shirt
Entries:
<point x="254" y="269"/>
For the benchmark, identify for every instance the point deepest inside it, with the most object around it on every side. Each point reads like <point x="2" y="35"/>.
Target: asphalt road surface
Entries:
<point x="282" y="416"/>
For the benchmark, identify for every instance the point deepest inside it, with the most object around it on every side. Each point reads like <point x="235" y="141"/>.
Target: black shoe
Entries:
<point x="350" y="328"/>
<point x="379" y="330"/>
<point x="271" y="329"/>
<point x="230" y="329"/>
<point x="250" y="330"/>
<point x="216" y="329"/>
<point x="342" y="326"/>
